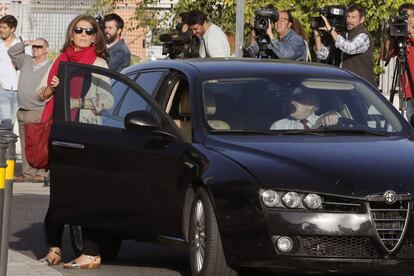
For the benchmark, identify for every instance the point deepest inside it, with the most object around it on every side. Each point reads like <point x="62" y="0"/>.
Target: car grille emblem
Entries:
<point x="390" y="213"/>
<point x="390" y="197"/>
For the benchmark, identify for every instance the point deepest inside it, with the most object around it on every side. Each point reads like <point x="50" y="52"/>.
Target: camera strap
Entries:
<point x="205" y="47"/>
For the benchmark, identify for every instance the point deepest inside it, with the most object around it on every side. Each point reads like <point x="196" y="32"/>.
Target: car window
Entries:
<point x="150" y="80"/>
<point x="250" y="104"/>
<point x="100" y="100"/>
<point x="118" y="90"/>
<point x="131" y="102"/>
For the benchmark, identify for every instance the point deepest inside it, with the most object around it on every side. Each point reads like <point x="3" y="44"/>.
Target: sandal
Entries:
<point x="52" y="258"/>
<point x="94" y="262"/>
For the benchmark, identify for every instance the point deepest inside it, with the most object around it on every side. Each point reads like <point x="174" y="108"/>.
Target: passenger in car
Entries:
<point x="85" y="44"/>
<point x="302" y="113"/>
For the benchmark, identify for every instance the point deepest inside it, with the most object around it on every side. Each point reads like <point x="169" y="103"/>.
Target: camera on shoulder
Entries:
<point x="398" y="25"/>
<point x="179" y="44"/>
<point x="264" y="17"/>
<point x="336" y="15"/>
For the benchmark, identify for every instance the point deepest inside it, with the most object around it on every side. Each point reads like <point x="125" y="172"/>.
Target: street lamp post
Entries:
<point x="239" y="27"/>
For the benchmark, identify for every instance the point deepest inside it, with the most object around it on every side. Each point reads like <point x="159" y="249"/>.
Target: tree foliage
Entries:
<point x="223" y="13"/>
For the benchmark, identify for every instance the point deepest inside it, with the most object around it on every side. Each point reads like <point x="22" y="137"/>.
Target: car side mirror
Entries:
<point x="141" y="120"/>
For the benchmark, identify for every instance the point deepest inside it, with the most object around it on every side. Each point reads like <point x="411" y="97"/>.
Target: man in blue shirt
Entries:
<point x="288" y="44"/>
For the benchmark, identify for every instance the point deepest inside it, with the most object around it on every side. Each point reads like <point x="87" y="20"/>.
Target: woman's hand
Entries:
<point x="49" y="90"/>
<point x="54" y="82"/>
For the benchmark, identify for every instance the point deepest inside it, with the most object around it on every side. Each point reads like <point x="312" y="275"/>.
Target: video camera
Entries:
<point x="398" y="25"/>
<point x="398" y="32"/>
<point x="336" y="16"/>
<point x="100" y="21"/>
<point x="262" y="19"/>
<point x="178" y="44"/>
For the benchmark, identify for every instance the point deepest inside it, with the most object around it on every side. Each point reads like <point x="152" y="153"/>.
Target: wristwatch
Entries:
<point x="331" y="29"/>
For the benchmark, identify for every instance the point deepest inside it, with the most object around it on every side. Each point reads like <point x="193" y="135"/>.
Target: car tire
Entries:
<point x="109" y="244"/>
<point x="206" y="251"/>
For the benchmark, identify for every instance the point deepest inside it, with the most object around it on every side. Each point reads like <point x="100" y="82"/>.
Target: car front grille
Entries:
<point x="389" y="221"/>
<point x="338" y="204"/>
<point x="407" y="250"/>
<point x="339" y="246"/>
<point x="350" y="247"/>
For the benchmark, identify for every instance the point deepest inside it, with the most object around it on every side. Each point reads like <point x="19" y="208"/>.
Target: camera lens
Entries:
<point x="261" y="24"/>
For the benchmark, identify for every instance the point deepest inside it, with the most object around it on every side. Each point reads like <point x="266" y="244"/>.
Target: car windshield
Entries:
<point x="296" y="105"/>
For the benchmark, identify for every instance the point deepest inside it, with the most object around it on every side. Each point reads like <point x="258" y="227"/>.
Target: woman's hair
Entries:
<point x="298" y="28"/>
<point x="100" y="43"/>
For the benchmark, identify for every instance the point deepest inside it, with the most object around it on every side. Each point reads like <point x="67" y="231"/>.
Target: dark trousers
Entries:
<point x="54" y="232"/>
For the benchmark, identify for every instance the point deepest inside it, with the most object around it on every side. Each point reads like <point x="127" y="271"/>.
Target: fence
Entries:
<point x="50" y="18"/>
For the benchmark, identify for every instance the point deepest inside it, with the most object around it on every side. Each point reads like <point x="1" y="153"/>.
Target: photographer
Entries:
<point x="357" y="47"/>
<point x="213" y="41"/>
<point x="392" y="49"/>
<point x="180" y="43"/>
<point x="287" y="45"/>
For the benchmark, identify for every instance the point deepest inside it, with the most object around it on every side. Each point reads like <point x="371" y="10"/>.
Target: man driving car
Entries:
<point x="302" y="115"/>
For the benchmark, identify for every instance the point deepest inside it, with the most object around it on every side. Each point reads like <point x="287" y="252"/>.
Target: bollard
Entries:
<point x="3" y="165"/>
<point x="10" y="138"/>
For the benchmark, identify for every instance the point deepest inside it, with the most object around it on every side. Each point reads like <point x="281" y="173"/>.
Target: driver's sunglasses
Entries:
<point x="88" y="31"/>
<point x="37" y="46"/>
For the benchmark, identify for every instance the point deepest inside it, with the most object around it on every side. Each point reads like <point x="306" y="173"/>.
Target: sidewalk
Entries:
<point x="21" y="265"/>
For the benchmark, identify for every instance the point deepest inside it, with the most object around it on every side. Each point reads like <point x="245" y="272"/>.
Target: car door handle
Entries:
<point x="67" y="145"/>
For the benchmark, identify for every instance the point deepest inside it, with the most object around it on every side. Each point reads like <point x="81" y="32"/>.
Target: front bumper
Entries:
<point x="323" y="242"/>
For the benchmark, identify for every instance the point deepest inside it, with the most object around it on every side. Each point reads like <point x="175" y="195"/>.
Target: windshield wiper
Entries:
<point x="267" y="132"/>
<point x="244" y="131"/>
<point x="356" y="131"/>
<point x="318" y="132"/>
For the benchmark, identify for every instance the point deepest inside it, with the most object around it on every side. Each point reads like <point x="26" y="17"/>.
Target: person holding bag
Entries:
<point x="84" y="44"/>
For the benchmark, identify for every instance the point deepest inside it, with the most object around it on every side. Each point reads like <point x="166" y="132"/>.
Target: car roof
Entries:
<point x="232" y="66"/>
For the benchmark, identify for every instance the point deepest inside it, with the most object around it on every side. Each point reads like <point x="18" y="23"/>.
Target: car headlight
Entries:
<point x="291" y="200"/>
<point x="312" y="201"/>
<point x="270" y="198"/>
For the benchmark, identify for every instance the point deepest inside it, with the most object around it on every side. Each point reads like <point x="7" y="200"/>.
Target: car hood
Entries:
<point x="349" y="166"/>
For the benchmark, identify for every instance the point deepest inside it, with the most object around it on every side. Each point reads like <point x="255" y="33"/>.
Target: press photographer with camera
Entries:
<point x="400" y="43"/>
<point x="180" y="43"/>
<point x="213" y="41"/>
<point x="357" y="46"/>
<point x="288" y="44"/>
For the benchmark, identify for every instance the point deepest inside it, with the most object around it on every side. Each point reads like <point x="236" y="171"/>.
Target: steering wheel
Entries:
<point x="346" y="122"/>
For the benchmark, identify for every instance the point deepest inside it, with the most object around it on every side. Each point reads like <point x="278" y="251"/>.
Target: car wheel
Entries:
<point x="206" y="250"/>
<point x="109" y="244"/>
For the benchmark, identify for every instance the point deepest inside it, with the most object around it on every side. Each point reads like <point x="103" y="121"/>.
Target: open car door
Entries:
<point x="107" y="173"/>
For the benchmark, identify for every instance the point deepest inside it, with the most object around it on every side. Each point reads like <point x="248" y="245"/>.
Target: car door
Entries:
<point x="104" y="175"/>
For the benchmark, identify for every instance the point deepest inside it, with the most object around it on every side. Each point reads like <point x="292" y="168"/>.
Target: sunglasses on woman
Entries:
<point x="88" y="31"/>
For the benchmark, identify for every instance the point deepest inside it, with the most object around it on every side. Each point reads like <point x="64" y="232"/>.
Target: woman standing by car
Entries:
<point x="85" y="44"/>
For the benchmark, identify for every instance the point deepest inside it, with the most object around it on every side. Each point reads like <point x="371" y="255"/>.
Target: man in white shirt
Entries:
<point x="8" y="73"/>
<point x="213" y="41"/>
<point x="302" y="116"/>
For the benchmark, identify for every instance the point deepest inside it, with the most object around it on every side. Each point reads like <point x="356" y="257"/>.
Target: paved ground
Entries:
<point x="19" y="264"/>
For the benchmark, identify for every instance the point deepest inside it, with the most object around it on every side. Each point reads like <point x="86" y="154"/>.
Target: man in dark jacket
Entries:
<point x="357" y="47"/>
<point x="119" y="54"/>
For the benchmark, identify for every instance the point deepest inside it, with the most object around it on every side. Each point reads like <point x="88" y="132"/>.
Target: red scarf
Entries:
<point x="84" y="56"/>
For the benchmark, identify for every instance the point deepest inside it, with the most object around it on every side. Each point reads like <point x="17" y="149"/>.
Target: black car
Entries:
<point x="208" y="155"/>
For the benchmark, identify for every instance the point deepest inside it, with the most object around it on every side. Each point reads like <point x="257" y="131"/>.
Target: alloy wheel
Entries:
<point x="199" y="238"/>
